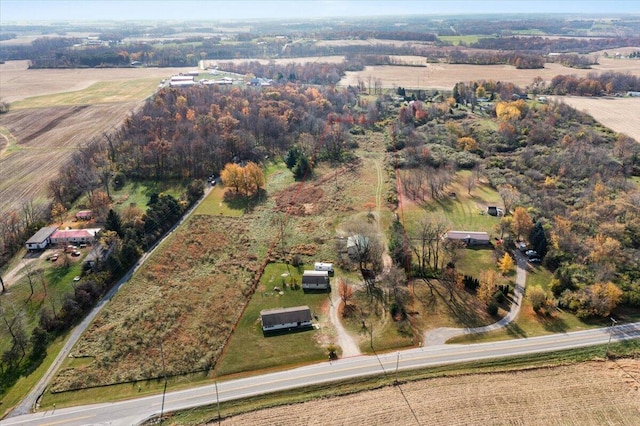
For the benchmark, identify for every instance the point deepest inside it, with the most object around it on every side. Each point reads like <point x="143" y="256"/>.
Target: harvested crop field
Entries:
<point x="41" y="140"/>
<point x="443" y="76"/>
<point x="591" y="393"/>
<point x="619" y="114"/>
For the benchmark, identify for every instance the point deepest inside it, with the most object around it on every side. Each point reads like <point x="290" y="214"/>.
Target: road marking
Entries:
<point x="66" y="421"/>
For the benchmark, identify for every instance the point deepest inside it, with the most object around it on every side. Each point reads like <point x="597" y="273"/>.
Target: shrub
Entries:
<point x="492" y="308"/>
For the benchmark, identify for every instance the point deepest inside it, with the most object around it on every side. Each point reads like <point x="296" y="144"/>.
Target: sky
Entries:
<point x="69" y="10"/>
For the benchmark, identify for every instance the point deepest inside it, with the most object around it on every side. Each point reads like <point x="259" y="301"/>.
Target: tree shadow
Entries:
<point x="553" y="324"/>
<point x="515" y="330"/>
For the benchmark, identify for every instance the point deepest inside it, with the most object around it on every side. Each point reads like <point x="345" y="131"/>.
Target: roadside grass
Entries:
<point x="29" y="379"/>
<point x="209" y="414"/>
<point x="277" y="350"/>
<point x="101" y="92"/>
<point x="373" y="328"/>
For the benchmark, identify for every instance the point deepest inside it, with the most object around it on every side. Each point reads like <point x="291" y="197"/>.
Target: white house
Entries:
<point x="298" y="317"/>
<point x="41" y="239"/>
<point x="470" y="238"/>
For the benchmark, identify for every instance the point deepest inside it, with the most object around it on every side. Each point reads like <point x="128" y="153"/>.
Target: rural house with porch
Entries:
<point x="295" y="318"/>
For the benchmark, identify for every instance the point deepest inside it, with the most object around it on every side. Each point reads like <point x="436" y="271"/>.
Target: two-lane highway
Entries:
<point x="134" y="411"/>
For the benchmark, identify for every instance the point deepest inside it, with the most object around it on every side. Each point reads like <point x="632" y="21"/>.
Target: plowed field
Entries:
<point x="593" y="393"/>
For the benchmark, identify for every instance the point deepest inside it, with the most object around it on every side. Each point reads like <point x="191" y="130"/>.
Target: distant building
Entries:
<point x="298" y="317"/>
<point x="470" y="238"/>
<point x="41" y="239"/>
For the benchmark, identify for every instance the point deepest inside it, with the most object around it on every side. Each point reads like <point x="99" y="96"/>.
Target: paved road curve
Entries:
<point x="134" y="411"/>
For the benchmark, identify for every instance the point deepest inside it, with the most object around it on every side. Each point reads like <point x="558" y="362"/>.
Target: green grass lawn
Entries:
<point x="215" y="205"/>
<point x="280" y="349"/>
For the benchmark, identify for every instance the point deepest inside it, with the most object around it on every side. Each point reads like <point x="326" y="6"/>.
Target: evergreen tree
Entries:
<point x="538" y="239"/>
<point x="114" y="223"/>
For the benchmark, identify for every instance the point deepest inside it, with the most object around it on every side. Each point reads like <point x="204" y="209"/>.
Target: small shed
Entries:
<point x="84" y="215"/>
<point x="298" y="317"/>
<point x="316" y="280"/>
<point x="470" y="238"/>
<point x="41" y="239"/>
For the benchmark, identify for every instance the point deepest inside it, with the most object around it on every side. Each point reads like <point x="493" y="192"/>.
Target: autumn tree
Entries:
<point x="58" y="211"/>
<point x="232" y="176"/>
<point x="254" y="178"/>
<point x="522" y="223"/>
<point x="488" y="285"/>
<point x="506" y="264"/>
<point x="467" y="143"/>
<point x="538" y="298"/>
<point x="345" y="291"/>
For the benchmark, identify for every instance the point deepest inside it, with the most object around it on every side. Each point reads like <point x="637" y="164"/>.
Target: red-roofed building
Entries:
<point x="64" y="236"/>
<point x="84" y="215"/>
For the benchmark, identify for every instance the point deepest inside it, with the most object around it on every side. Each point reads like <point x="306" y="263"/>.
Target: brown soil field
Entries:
<point x="619" y="114"/>
<point x="35" y="142"/>
<point x="591" y="393"/>
<point x="17" y="82"/>
<point x="444" y="76"/>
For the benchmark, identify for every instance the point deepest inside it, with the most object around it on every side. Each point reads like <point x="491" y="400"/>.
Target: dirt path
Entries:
<point x="439" y="336"/>
<point x="343" y="338"/>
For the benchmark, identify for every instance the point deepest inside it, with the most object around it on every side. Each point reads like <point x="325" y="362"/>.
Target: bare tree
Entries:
<point x="2" y="283"/>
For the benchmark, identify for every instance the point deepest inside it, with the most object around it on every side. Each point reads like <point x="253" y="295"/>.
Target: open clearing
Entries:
<point x="619" y="114"/>
<point x="592" y="393"/>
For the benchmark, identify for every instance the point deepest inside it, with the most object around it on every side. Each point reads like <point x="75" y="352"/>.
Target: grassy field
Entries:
<point x="457" y="39"/>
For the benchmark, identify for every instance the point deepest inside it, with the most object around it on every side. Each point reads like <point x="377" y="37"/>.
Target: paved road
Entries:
<point x="31" y="400"/>
<point x="134" y="411"/>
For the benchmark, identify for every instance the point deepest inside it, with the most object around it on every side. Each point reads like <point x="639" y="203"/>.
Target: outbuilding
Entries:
<point x="295" y="318"/>
<point x="316" y="280"/>
<point x="470" y="238"/>
<point x="41" y="239"/>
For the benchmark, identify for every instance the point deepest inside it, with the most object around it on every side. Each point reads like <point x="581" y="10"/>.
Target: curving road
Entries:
<point x="135" y="411"/>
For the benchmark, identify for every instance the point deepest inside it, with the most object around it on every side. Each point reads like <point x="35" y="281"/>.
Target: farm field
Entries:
<point x="591" y="393"/>
<point x="619" y="114"/>
<point x="444" y="76"/>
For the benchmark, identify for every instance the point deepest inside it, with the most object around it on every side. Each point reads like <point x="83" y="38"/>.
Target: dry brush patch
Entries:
<point x="591" y="393"/>
<point x="187" y="297"/>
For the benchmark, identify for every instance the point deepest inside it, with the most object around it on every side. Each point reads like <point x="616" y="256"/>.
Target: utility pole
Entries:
<point x="218" y="401"/>
<point x="613" y="322"/>
<point x="164" y="390"/>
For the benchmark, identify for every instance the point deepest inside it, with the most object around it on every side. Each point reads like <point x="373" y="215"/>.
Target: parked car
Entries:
<point x="522" y="246"/>
<point x="75" y="253"/>
<point x="54" y="257"/>
<point x="531" y="253"/>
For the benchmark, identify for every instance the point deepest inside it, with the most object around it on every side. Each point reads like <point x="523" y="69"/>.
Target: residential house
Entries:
<point x="470" y="238"/>
<point x="66" y="236"/>
<point x="295" y="318"/>
<point x="316" y="280"/>
<point x="41" y="239"/>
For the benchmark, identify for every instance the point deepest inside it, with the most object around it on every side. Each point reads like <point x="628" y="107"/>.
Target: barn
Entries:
<point x="316" y="280"/>
<point x="41" y="239"/>
<point x="295" y="318"/>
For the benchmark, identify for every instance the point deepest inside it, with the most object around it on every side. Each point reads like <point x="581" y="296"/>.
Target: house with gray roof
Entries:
<point x="295" y="318"/>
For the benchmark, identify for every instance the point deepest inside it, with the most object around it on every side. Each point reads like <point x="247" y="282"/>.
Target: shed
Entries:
<point x="41" y="239"/>
<point x="470" y="238"/>
<point x="298" y="317"/>
<point x="84" y="215"/>
<point x="316" y="280"/>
